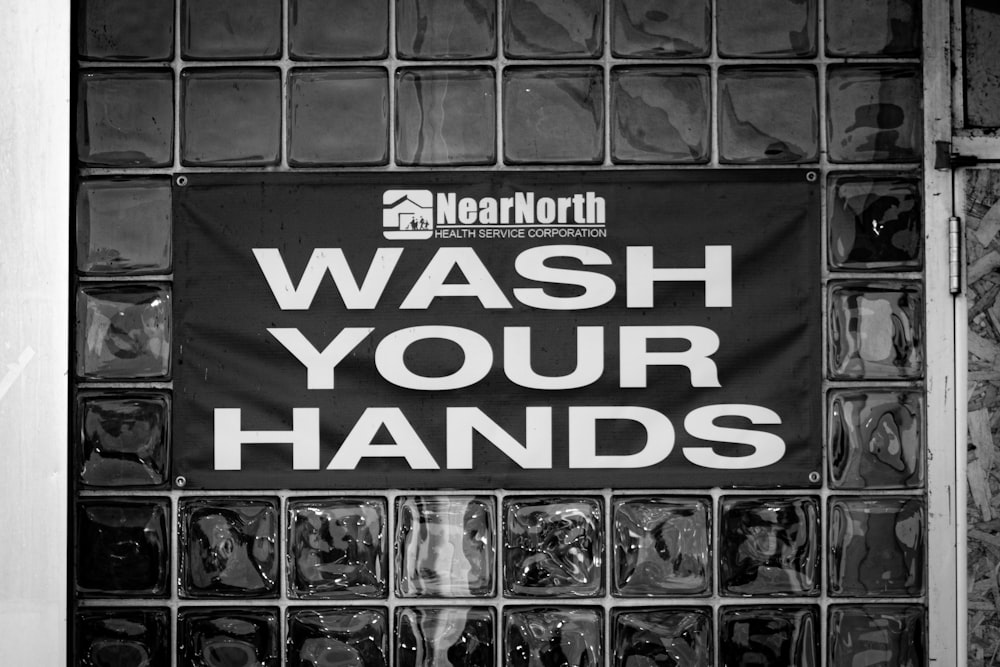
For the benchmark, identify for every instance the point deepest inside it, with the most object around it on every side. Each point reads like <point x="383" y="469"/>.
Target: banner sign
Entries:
<point x="484" y="330"/>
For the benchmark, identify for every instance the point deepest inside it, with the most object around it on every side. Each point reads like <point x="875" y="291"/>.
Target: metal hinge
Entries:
<point x="955" y="254"/>
<point x="945" y="158"/>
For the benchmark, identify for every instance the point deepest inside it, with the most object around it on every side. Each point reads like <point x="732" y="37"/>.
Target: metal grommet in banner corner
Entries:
<point x="814" y="477"/>
<point x="811" y="176"/>
<point x="182" y="181"/>
<point x="181" y="480"/>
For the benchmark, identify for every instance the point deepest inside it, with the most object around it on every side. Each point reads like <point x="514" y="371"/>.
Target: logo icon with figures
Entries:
<point x="407" y="214"/>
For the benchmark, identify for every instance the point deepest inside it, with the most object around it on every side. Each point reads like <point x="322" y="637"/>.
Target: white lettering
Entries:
<point x="717" y="276"/>
<point x="636" y="357"/>
<point x="700" y="423"/>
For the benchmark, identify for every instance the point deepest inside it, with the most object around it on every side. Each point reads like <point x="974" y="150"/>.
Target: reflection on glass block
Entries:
<point x="230" y="29"/>
<point x="553" y="115"/>
<point x="874" y="113"/>
<point x="873" y="28"/>
<point x="767" y="28"/>
<point x="125" y="118"/>
<point x="553" y="546"/>
<point x="553" y="28"/>
<point x="980" y="54"/>
<point x="874" y="221"/>
<point x="218" y="637"/>
<point x="660" y="114"/>
<point x="132" y="636"/>
<point x="769" y="636"/>
<point x="338" y="29"/>
<point x="230" y="116"/>
<point x="321" y="637"/>
<point x="337" y="548"/>
<point x="877" y="635"/>
<point x="661" y="546"/>
<point x="877" y="546"/>
<point x="323" y="102"/>
<point x="445" y="546"/>
<point x="661" y="28"/>
<point x="444" y="636"/>
<point x="123" y="439"/>
<point x="549" y="636"/>
<point x="667" y="636"/>
<point x="876" y="439"/>
<point x="768" y="115"/>
<point x="876" y="330"/>
<point x="123" y="226"/>
<point x="228" y="547"/>
<point x="445" y="116"/>
<point x="126" y="29"/>
<point x="769" y="546"/>
<point x="122" y="547"/>
<point x="123" y="331"/>
<point x="445" y="29"/>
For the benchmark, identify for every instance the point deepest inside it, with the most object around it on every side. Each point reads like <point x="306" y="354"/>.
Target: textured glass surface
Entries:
<point x="125" y="118"/>
<point x="126" y="29"/>
<point x="661" y="546"/>
<point x="215" y="637"/>
<point x="661" y="28"/>
<point x="660" y="114"/>
<point x="445" y="29"/>
<point x="553" y="546"/>
<point x="553" y="636"/>
<point x="445" y="116"/>
<point x="877" y="635"/>
<point x="230" y="29"/>
<point x="445" y="546"/>
<point x="324" y="103"/>
<point x="130" y="637"/>
<point x="228" y="547"/>
<point x="874" y="221"/>
<point x="123" y="226"/>
<point x="768" y="114"/>
<point x="122" y="547"/>
<point x="553" y="28"/>
<point x="444" y="636"/>
<point x="877" y="546"/>
<point x="122" y="439"/>
<point x="338" y="29"/>
<point x="769" y="546"/>
<point x="553" y="115"/>
<point x="876" y="330"/>
<point x="873" y="113"/>
<point x="123" y="331"/>
<point x="767" y="28"/>
<point x="769" y="636"/>
<point x="668" y="637"/>
<point x="230" y="116"/>
<point x="323" y="637"/>
<point x="873" y="28"/>
<point x="337" y="548"/>
<point x="876" y="439"/>
<point x="980" y="55"/>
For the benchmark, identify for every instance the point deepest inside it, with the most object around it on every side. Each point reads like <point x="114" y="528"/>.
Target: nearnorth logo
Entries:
<point x="407" y="214"/>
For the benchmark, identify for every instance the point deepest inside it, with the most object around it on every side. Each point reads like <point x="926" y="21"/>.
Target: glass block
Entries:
<point x="553" y="546"/>
<point x="553" y="115"/>
<point x="132" y="636"/>
<point x="877" y="546"/>
<point x="228" y="547"/>
<point x="125" y="118"/>
<point x="660" y="115"/>
<point x="337" y="548"/>
<point x="324" y="102"/>
<point x="319" y="637"/>
<point x="874" y="222"/>
<point x="878" y="635"/>
<point x="338" y="29"/>
<point x="123" y="226"/>
<point x="445" y="116"/>
<point x="445" y="546"/>
<point x="553" y="28"/>
<point x="661" y="546"/>
<point x="980" y="55"/>
<point x="873" y="28"/>
<point x="221" y="637"/>
<point x="661" y="28"/>
<point x="549" y="636"/>
<point x="445" y="636"/>
<point x="230" y="29"/>
<point x="123" y="331"/>
<point x="123" y="439"/>
<point x="126" y="30"/>
<point x="876" y="439"/>
<point x="122" y="548"/>
<point x="445" y="29"/>
<point x="231" y="116"/>
<point x="666" y="636"/>
<point x="874" y="113"/>
<point x="767" y="28"/>
<point x="769" y="546"/>
<point x="876" y="330"/>
<point x="769" y="636"/>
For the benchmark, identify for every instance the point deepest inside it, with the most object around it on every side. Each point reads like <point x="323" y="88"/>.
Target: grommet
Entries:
<point x="182" y="181"/>
<point x="815" y="477"/>
<point x="811" y="176"/>
<point x="181" y="481"/>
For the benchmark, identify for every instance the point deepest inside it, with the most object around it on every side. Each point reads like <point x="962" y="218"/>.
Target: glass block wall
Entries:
<point x="167" y="576"/>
